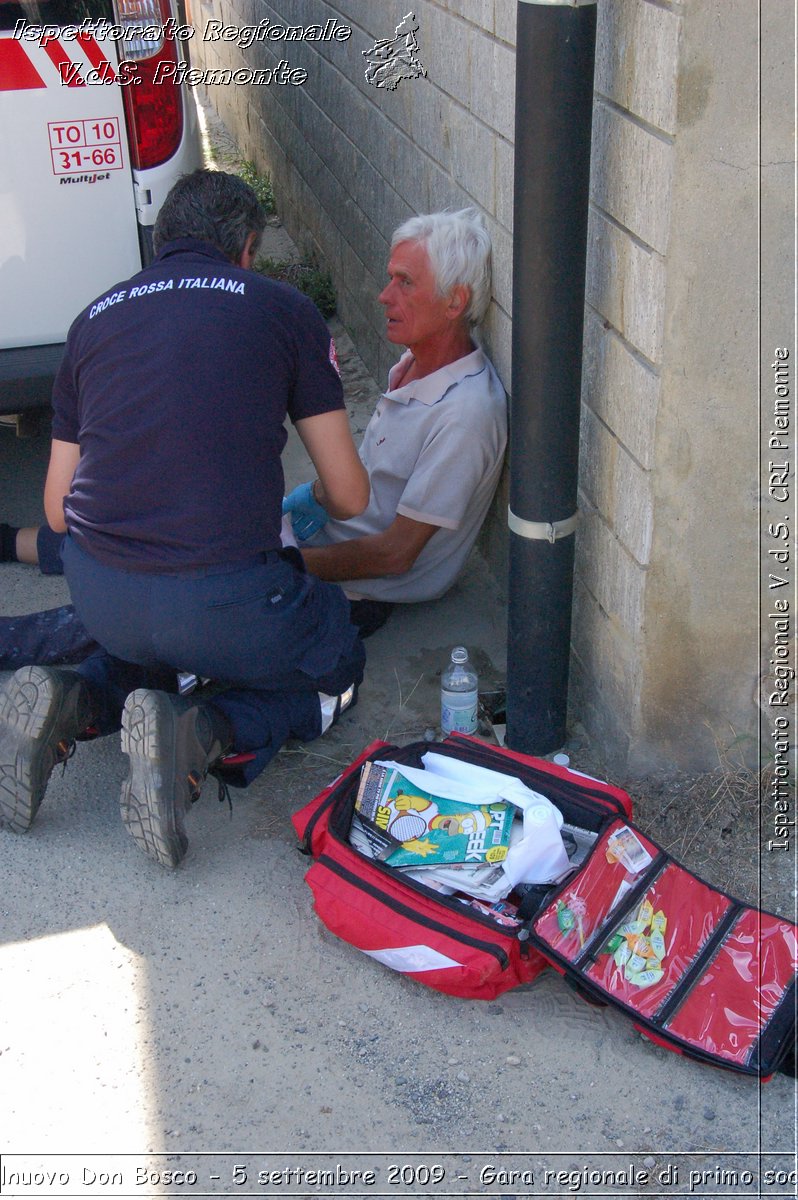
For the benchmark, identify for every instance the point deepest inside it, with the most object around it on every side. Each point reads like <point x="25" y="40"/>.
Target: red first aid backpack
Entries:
<point x="696" y="970"/>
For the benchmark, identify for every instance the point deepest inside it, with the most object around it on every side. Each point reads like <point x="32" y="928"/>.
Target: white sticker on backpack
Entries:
<point x="412" y="958"/>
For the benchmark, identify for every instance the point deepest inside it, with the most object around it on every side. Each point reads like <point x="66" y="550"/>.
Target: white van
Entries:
<point x="91" y="140"/>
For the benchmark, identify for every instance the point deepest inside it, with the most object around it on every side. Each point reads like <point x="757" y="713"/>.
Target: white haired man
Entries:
<point x="434" y="447"/>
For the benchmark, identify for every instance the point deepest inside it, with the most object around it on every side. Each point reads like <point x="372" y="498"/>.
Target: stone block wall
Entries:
<point x="658" y="669"/>
<point x="665" y="632"/>
<point x="632" y="165"/>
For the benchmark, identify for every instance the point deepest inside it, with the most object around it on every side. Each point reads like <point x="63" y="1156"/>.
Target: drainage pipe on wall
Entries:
<point x="555" y="58"/>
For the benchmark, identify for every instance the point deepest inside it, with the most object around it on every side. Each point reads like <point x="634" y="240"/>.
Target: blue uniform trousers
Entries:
<point x="48" y="551"/>
<point x="272" y="634"/>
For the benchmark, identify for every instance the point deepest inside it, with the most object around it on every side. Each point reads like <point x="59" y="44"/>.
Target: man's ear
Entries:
<point x="248" y="253"/>
<point x="459" y="298"/>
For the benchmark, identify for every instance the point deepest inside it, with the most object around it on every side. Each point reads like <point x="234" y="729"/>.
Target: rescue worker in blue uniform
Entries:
<point x="165" y="473"/>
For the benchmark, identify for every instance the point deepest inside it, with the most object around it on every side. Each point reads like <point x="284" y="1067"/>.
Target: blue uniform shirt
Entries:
<point x="176" y="385"/>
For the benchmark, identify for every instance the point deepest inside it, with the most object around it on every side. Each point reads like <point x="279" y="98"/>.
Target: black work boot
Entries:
<point x="171" y="742"/>
<point x="42" y="711"/>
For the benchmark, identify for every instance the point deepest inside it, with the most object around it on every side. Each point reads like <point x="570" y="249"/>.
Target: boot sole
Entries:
<point x="32" y="705"/>
<point x="147" y="802"/>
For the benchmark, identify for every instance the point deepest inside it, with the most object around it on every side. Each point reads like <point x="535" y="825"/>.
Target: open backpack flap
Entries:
<point x="697" y="971"/>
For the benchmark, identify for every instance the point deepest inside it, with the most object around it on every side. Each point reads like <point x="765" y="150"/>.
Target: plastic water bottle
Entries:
<point x="459" y="693"/>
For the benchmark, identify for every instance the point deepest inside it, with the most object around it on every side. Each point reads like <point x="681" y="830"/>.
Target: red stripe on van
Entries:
<point x="62" y="62"/>
<point x="96" y="57"/>
<point x="17" y="72"/>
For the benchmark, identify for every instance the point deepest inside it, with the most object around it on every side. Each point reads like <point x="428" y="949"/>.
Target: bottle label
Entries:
<point x="458" y="712"/>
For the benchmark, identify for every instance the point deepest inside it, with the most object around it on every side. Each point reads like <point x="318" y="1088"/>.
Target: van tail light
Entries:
<point x="152" y="97"/>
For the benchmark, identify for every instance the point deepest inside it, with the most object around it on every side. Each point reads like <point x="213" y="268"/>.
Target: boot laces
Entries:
<point x="224" y="794"/>
<point x="63" y="752"/>
<point x="195" y="782"/>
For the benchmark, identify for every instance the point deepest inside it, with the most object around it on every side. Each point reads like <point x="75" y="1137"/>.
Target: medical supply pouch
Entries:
<point x="465" y="946"/>
<point x="698" y="971"/>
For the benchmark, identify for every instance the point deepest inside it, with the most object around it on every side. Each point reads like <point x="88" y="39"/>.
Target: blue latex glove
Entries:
<point x="307" y="515"/>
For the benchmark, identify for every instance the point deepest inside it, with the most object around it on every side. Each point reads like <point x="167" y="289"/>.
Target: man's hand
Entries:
<point x="307" y="515"/>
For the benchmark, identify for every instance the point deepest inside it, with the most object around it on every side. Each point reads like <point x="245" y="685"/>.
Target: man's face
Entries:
<point x="415" y="313"/>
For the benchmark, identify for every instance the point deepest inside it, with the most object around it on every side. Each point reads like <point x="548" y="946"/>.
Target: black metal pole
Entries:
<point x="555" y="58"/>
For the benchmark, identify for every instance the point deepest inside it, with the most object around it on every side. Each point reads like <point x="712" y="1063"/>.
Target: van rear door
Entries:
<point x="67" y="210"/>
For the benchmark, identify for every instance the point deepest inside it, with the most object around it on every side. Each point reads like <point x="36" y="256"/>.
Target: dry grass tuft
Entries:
<point x="711" y="821"/>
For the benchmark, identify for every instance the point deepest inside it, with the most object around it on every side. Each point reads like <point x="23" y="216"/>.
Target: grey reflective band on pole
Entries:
<point x="547" y="531"/>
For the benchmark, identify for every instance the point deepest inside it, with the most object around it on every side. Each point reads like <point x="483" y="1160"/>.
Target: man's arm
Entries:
<point x="391" y="552"/>
<point x="343" y="481"/>
<point x="60" y="471"/>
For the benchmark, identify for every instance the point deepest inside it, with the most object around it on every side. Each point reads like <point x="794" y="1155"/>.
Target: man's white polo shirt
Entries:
<point x="434" y="450"/>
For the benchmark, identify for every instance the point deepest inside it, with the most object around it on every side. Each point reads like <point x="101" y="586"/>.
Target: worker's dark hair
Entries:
<point x="214" y="207"/>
